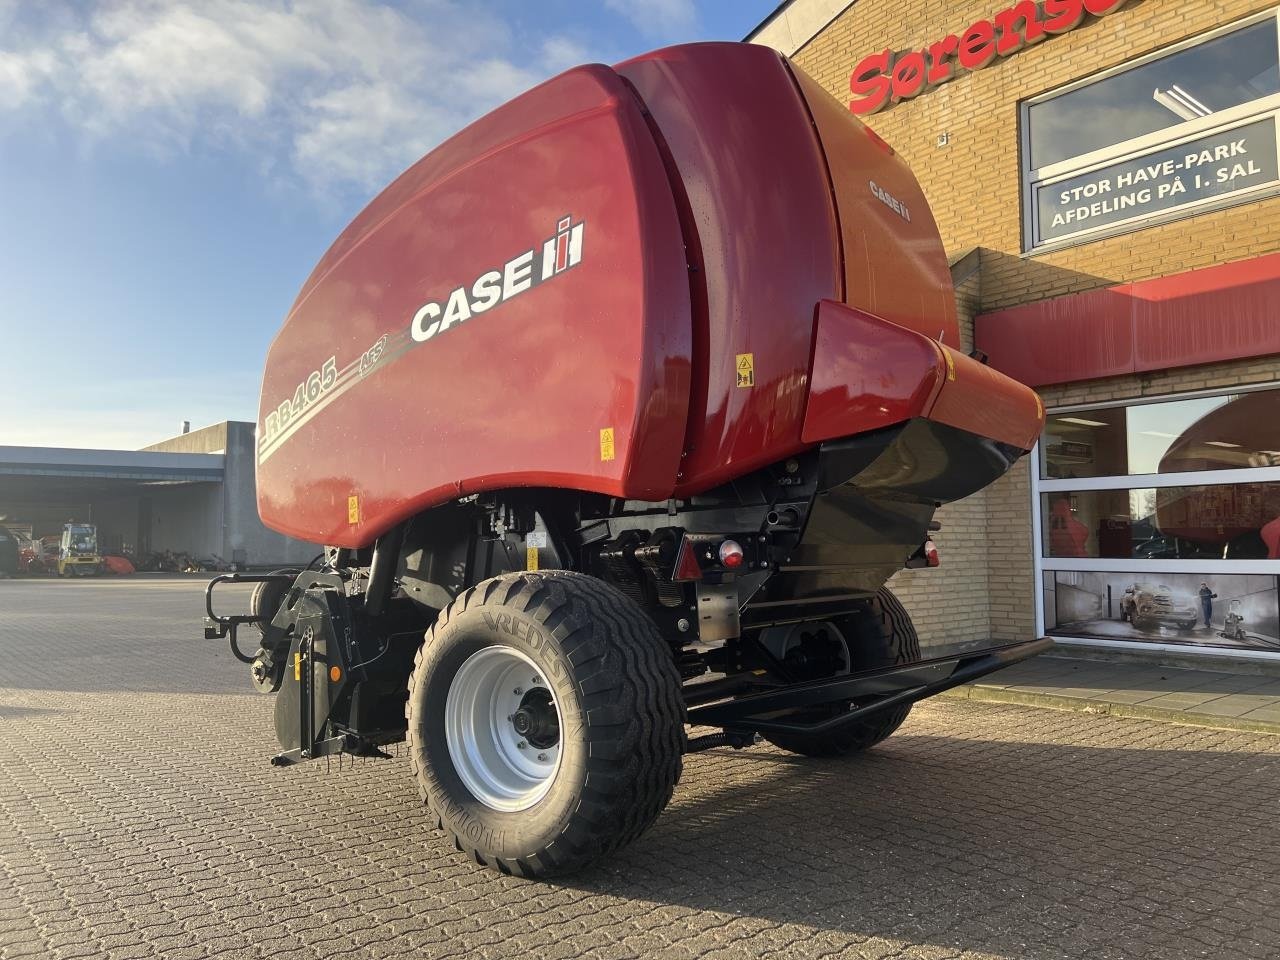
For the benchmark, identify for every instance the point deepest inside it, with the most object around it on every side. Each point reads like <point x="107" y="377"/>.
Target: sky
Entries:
<point x="171" y="171"/>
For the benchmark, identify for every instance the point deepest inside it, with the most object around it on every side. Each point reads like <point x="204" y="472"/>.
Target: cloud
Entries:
<point x="667" y="19"/>
<point x="341" y="93"/>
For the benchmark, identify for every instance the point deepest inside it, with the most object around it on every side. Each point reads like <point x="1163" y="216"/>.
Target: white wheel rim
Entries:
<point x="502" y="768"/>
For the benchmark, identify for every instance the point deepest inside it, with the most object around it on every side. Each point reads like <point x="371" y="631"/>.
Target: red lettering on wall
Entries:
<point x="1062" y="15"/>
<point x="868" y="83"/>
<point x="1100" y="8"/>
<point x="886" y="77"/>
<point x="941" y="68"/>
<point x="1019" y="26"/>
<point x="978" y="45"/>
<point x="909" y="74"/>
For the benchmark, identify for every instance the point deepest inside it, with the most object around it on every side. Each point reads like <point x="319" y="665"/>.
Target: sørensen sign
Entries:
<point x="887" y="77"/>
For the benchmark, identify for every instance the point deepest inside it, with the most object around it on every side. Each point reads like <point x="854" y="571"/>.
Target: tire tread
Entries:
<point x="625" y="672"/>
<point x="899" y="644"/>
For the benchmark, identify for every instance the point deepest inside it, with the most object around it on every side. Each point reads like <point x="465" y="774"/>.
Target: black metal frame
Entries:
<point x="216" y="627"/>
<point x="742" y="706"/>
<point x="821" y="533"/>
<point x="870" y="692"/>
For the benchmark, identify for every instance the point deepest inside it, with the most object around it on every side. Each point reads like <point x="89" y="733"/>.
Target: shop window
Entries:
<point x="1179" y="131"/>
<point x="1190" y="554"/>
<point x="1226" y="432"/>
<point x="1215" y="522"/>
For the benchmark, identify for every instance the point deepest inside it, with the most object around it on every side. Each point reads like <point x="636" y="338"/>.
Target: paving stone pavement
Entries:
<point x="139" y="818"/>
<point x="1230" y="701"/>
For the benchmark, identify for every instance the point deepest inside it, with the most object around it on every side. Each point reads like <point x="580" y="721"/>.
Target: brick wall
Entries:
<point x="973" y="182"/>
<point x="949" y="604"/>
<point x="985" y="584"/>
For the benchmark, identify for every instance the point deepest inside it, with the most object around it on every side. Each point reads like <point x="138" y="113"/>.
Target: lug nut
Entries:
<point x="510" y="717"/>
<point x="542" y="757"/>
<point x="682" y="625"/>
<point x="521" y="745"/>
<point x="537" y="681"/>
<point x="518" y="691"/>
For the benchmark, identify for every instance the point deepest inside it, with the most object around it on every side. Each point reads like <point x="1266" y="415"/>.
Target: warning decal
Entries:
<point x="353" y="509"/>
<point x="606" y="443"/>
<point x="746" y="366"/>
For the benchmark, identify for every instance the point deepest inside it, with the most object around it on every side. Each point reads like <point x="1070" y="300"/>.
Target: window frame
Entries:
<point x="1032" y="178"/>
<point x="1042" y="564"/>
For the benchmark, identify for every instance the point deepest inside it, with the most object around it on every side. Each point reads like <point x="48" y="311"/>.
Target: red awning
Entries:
<point x="1218" y="313"/>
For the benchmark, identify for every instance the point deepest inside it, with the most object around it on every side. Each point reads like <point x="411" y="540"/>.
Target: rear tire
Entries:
<point x="533" y="803"/>
<point x="880" y="635"/>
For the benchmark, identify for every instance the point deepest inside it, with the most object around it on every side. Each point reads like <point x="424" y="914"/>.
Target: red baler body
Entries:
<point x="722" y="213"/>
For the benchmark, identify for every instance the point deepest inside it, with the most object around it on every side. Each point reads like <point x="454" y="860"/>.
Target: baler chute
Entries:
<point x="631" y="397"/>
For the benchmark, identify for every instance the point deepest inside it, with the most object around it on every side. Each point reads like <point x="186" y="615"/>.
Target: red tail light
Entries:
<point x="931" y="553"/>
<point x="731" y="554"/>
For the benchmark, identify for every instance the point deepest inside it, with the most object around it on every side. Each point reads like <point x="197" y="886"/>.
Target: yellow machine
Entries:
<point x="78" y="553"/>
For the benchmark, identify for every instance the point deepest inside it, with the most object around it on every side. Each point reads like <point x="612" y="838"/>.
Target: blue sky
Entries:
<point x="170" y="171"/>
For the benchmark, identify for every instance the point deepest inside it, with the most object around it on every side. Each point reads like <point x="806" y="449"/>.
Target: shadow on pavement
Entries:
<point x="1010" y="848"/>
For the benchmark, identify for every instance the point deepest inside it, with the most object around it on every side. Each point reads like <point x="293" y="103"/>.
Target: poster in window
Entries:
<point x="1196" y="609"/>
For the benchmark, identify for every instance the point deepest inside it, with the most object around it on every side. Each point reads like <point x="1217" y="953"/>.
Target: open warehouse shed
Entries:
<point x="192" y="494"/>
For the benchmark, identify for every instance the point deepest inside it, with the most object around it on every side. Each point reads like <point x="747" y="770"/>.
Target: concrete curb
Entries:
<point x="1049" y="701"/>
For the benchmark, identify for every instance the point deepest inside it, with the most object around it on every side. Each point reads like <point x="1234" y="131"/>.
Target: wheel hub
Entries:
<point x="502" y="728"/>
<point x="536" y="720"/>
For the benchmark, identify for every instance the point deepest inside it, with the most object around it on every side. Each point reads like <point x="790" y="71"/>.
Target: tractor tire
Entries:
<point x="879" y="635"/>
<point x="545" y="724"/>
<point x="267" y="597"/>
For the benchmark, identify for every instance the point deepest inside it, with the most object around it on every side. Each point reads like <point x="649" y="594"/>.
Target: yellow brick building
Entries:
<point x="1105" y="178"/>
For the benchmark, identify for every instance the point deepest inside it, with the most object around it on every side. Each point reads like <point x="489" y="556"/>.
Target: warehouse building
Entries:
<point x="1105" y="178"/>
<point x="193" y="494"/>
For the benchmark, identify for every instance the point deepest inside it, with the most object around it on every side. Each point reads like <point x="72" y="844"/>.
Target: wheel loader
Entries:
<point x="78" y="553"/>
<point x="614" y="415"/>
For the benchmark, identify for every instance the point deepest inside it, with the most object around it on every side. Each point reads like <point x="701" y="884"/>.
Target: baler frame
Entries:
<point x="798" y="524"/>
<point x="743" y="707"/>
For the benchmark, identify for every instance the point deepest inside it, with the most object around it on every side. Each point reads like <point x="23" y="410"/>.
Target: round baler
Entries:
<point x="615" y="413"/>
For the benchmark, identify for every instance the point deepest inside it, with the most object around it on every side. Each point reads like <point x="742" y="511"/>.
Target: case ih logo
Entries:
<point x="521" y="273"/>
<point x="887" y="77"/>
<point x="324" y="385"/>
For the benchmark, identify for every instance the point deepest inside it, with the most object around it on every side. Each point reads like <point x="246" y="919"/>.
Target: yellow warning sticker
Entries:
<point x="746" y="366"/>
<point x="951" y="364"/>
<point x="297" y="665"/>
<point x="353" y="509"/>
<point x="606" y="443"/>
<point x="531" y="558"/>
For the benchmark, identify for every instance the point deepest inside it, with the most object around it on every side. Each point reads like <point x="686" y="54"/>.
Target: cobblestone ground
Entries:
<point x="139" y="818"/>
